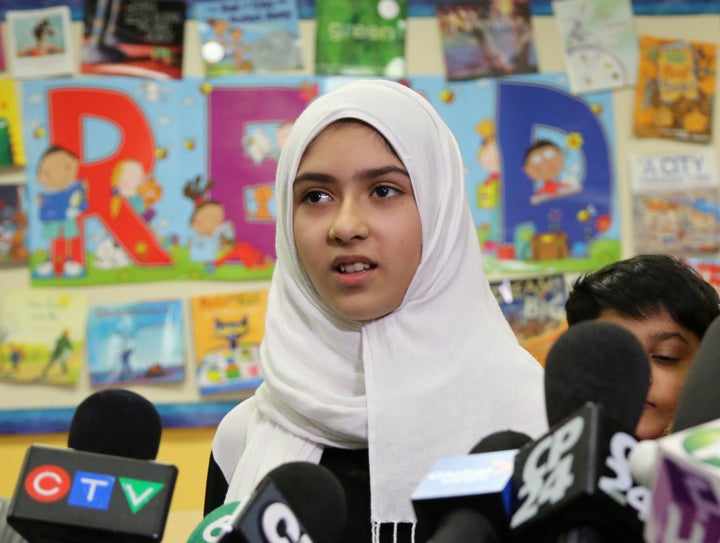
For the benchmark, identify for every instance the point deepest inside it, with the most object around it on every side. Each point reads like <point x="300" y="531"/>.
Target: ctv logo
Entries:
<point x="704" y="445"/>
<point x="51" y="483"/>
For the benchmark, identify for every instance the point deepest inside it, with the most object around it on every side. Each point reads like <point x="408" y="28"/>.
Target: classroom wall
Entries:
<point x="189" y="448"/>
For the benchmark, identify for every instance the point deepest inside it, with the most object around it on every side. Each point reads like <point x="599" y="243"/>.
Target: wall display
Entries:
<point x="136" y="343"/>
<point x="675" y="92"/>
<point x="488" y="38"/>
<point x="142" y="38"/>
<point x="155" y="180"/>
<point x="360" y="38"/>
<point x="676" y="206"/>
<point x="247" y="36"/>
<point x="13" y="226"/>
<point x="39" y="43"/>
<point x="227" y="330"/>
<point x="42" y="337"/>
<point x="599" y="43"/>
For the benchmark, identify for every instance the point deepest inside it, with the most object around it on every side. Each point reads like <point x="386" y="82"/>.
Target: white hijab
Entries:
<point x="428" y="380"/>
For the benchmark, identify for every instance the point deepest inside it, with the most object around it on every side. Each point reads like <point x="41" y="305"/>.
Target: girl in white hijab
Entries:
<point x="421" y="364"/>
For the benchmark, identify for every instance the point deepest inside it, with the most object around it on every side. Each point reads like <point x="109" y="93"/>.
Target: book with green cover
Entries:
<point x="361" y="38"/>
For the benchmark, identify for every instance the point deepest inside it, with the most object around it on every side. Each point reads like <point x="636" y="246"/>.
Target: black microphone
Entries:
<point x="297" y="502"/>
<point x="574" y="483"/>
<point x="466" y="498"/>
<point x="66" y="495"/>
<point x="699" y="401"/>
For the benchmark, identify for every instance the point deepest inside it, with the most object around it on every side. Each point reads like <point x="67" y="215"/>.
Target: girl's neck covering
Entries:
<point x="426" y="381"/>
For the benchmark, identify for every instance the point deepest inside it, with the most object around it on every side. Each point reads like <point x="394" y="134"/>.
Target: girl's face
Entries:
<point x="671" y="349"/>
<point x="355" y="221"/>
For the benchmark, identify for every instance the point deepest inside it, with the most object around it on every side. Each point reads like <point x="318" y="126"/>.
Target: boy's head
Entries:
<point x="58" y="168"/>
<point x="667" y="305"/>
<point x="543" y="160"/>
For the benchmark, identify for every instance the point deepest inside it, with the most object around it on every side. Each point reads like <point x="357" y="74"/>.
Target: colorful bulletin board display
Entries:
<point x="227" y="332"/>
<point x="539" y="170"/>
<point x="136" y="343"/>
<point x="135" y="180"/>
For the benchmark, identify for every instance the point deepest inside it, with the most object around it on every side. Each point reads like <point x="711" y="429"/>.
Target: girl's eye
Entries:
<point x="665" y="360"/>
<point x="315" y="197"/>
<point x="385" y="191"/>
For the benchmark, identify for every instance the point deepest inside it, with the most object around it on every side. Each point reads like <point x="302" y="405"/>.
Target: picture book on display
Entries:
<point x="360" y="38"/>
<point x="39" y="42"/>
<point x="486" y="38"/>
<point x="599" y="42"/>
<point x="239" y="36"/>
<point x="142" y="38"/>
<point x="227" y="331"/>
<point x="676" y="204"/>
<point x="675" y="91"/>
<point x="12" y="149"/>
<point x="136" y="343"/>
<point x="13" y="226"/>
<point x="535" y="309"/>
<point x="42" y="336"/>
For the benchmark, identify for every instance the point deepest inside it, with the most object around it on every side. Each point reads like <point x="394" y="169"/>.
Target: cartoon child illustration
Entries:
<point x="42" y="31"/>
<point x="213" y="235"/>
<point x="544" y="162"/>
<point x="239" y="50"/>
<point x="60" y="354"/>
<point x="60" y="206"/>
<point x="140" y="190"/>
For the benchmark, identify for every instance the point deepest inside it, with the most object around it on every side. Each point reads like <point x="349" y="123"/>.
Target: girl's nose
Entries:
<point x="348" y="223"/>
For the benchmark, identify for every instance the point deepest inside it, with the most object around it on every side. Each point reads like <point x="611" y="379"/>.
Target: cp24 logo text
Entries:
<point x="551" y="469"/>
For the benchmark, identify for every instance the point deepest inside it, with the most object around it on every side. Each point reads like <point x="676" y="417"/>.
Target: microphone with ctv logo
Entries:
<point x="466" y="498"/>
<point x="106" y="488"/>
<point x="297" y="502"/>
<point x="574" y="483"/>
<point x="684" y="467"/>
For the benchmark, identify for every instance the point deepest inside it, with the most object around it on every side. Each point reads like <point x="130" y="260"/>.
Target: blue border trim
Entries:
<point x="416" y="8"/>
<point x="51" y="420"/>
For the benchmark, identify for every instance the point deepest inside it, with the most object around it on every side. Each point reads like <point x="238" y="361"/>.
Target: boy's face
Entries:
<point x="356" y="224"/>
<point x="58" y="170"/>
<point x="544" y="163"/>
<point x="671" y="348"/>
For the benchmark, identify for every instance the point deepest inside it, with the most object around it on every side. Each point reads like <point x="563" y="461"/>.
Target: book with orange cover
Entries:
<point x="675" y="90"/>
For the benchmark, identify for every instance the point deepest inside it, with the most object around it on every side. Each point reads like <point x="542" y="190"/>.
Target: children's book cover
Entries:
<point x="675" y="91"/>
<point x="40" y="42"/>
<point x="2" y="52"/>
<point x="142" y="38"/>
<point x="245" y="36"/>
<point x="13" y="226"/>
<point x="136" y="343"/>
<point x="675" y="202"/>
<point x="360" y="38"/>
<point x="486" y="38"/>
<point x="599" y="42"/>
<point x="539" y="170"/>
<point x="42" y="336"/>
<point x="535" y="309"/>
<point x="227" y="331"/>
<point x="708" y="267"/>
<point x="12" y="149"/>
<point x="133" y="180"/>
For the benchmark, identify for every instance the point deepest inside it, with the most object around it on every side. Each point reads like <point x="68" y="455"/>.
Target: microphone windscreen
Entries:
<point x="699" y="401"/>
<point x="117" y="422"/>
<point x="465" y="525"/>
<point x="503" y="440"/>
<point x="315" y="496"/>
<point x="595" y="361"/>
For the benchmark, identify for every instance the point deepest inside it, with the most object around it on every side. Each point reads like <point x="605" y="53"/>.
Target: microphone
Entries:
<point x="216" y="524"/>
<point x="297" y="502"/>
<point x="66" y="495"/>
<point x="465" y="498"/>
<point x="574" y="483"/>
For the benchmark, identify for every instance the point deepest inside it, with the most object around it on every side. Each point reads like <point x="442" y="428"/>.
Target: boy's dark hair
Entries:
<point x="643" y="286"/>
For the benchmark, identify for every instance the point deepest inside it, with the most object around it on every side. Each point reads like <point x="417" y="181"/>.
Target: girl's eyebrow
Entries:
<point x="370" y="173"/>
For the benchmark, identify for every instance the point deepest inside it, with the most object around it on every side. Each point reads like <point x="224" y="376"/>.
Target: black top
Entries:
<point x="351" y="467"/>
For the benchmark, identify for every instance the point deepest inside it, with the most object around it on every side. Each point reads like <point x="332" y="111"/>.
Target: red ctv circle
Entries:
<point x="47" y="483"/>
